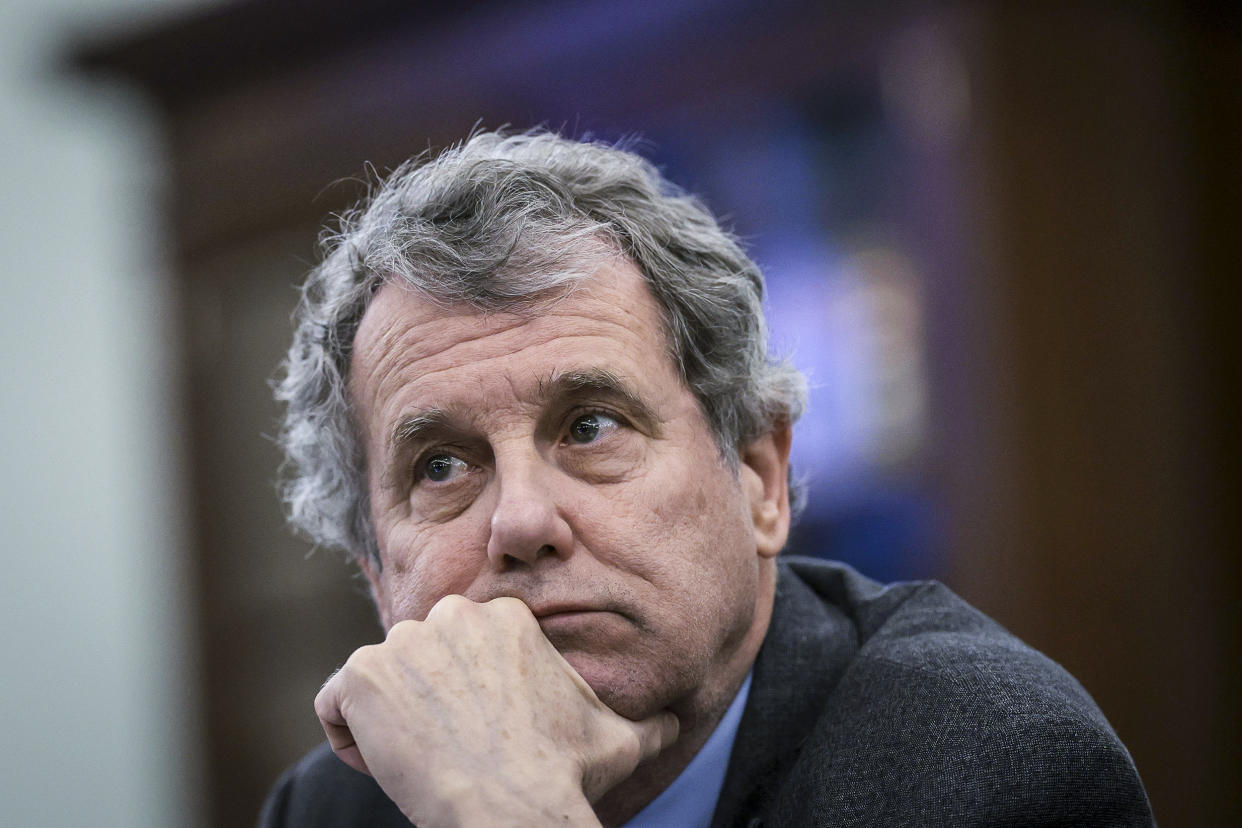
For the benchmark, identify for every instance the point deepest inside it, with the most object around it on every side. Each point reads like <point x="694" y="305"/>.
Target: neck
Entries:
<point x="698" y="716"/>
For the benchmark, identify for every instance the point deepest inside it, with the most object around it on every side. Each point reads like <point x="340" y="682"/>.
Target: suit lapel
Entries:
<point x="807" y="648"/>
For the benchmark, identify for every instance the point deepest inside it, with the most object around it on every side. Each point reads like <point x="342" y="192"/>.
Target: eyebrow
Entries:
<point x="411" y="428"/>
<point x="598" y="382"/>
<point x="574" y="383"/>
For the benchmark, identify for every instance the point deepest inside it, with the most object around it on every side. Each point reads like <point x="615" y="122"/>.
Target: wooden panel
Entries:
<point x="1108" y="559"/>
<point x="275" y="620"/>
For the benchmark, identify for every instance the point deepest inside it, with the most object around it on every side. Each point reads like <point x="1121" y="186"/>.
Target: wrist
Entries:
<point x="471" y="803"/>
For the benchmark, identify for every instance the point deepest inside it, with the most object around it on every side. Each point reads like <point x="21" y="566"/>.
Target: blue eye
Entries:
<point x="441" y="467"/>
<point x="589" y="427"/>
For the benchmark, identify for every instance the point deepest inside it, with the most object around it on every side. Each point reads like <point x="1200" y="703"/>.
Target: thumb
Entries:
<point x="655" y="734"/>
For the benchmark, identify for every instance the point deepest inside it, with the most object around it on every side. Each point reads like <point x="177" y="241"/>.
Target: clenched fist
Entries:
<point x="472" y="717"/>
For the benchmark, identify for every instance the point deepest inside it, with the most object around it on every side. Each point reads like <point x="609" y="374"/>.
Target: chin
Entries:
<point x="632" y="693"/>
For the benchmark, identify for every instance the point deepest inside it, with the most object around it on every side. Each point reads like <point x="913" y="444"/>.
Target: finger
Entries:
<point x="655" y="734"/>
<point x="345" y="747"/>
<point x="449" y="608"/>
<point x="336" y="728"/>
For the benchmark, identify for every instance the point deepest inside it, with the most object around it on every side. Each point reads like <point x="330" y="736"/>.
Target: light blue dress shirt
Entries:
<point x="690" y="801"/>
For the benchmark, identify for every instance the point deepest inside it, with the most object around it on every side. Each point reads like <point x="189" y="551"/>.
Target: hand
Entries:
<point x="473" y="718"/>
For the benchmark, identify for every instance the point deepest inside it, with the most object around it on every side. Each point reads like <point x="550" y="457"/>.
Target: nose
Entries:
<point x="527" y="523"/>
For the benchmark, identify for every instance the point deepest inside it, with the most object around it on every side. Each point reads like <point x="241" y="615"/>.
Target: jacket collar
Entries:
<point x="808" y="646"/>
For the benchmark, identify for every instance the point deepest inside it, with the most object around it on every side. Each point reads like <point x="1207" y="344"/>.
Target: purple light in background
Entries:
<point x="853" y="326"/>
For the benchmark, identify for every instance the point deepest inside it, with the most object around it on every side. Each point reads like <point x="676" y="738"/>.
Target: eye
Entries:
<point x="590" y="427"/>
<point x="439" y="468"/>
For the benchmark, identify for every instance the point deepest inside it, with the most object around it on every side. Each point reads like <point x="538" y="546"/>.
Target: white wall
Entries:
<point x="95" y="639"/>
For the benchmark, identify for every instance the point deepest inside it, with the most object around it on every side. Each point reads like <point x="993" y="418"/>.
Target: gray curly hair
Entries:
<point x="507" y="221"/>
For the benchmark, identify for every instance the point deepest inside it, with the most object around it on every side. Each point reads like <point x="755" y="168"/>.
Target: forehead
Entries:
<point x="411" y="352"/>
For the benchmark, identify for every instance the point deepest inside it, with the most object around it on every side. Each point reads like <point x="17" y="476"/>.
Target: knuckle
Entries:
<point x="402" y="632"/>
<point x="629" y="747"/>
<point x="323" y="702"/>
<point x="450" y="607"/>
<point x="620" y="744"/>
<point x="360" y="661"/>
<point x="510" y="607"/>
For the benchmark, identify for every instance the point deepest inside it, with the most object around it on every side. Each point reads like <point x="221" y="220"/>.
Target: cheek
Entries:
<point x="709" y="524"/>
<point x="421" y="567"/>
<point x="684" y="529"/>
<point x="705" y="500"/>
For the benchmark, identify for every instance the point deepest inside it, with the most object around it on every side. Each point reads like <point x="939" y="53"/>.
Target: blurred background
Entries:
<point x="1000" y="238"/>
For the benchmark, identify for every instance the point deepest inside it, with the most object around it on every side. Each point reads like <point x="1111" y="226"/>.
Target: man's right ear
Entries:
<point x="765" y="471"/>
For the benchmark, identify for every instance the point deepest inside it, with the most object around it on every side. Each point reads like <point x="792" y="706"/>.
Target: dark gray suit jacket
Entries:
<point x="870" y="706"/>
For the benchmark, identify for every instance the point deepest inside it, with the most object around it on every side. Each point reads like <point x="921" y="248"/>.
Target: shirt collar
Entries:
<point x="691" y="799"/>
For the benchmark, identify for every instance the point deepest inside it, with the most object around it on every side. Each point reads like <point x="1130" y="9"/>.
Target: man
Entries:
<point x="530" y="394"/>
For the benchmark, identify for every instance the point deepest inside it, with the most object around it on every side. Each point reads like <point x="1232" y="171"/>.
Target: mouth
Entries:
<point x="542" y="611"/>
<point x="571" y="621"/>
<point x="585" y="631"/>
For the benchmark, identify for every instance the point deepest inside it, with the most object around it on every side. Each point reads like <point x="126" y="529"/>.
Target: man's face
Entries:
<point x="556" y="457"/>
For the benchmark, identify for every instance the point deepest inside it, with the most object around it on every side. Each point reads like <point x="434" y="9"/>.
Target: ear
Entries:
<point x="379" y="595"/>
<point x="765" y="478"/>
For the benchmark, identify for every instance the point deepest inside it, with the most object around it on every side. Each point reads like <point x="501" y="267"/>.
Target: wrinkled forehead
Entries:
<point x="406" y="338"/>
